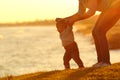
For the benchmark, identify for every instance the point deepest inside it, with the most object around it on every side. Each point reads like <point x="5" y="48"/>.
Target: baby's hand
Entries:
<point x="61" y="24"/>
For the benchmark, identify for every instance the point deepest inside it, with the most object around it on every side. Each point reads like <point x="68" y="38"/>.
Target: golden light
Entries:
<point x="98" y="12"/>
<point x="30" y="10"/>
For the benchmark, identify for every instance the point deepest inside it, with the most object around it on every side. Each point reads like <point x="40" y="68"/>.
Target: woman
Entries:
<point x="110" y="14"/>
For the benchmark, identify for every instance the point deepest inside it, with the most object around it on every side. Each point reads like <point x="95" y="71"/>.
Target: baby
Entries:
<point x="68" y="42"/>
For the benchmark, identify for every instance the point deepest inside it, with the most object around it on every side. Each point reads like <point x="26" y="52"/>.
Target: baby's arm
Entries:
<point x="61" y="24"/>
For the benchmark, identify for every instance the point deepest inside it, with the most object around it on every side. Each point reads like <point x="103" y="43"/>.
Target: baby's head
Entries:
<point x="61" y="24"/>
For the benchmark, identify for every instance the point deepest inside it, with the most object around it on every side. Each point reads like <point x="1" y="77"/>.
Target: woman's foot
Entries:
<point x="101" y="64"/>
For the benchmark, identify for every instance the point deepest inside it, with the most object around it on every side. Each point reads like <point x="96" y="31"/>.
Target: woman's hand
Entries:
<point x="62" y="24"/>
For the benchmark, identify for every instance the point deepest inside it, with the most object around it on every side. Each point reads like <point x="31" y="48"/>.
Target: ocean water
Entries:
<point x="32" y="49"/>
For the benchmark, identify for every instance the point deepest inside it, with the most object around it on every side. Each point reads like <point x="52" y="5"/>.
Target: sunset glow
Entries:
<point x="30" y="10"/>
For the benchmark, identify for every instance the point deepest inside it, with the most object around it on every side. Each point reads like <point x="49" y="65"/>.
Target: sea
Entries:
<point x="28" y="49"/>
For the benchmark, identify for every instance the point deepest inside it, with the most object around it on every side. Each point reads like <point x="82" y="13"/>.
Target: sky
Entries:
<point x="31" y="10"/>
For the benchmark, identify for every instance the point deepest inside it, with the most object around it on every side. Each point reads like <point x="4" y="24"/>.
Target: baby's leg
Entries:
<point x="67" y="58"/>
<point x="75" y="55"/>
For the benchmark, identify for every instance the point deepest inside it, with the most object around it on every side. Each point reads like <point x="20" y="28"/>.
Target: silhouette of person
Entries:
<point x="68" y="42"/>
<point x="110" y="14"/>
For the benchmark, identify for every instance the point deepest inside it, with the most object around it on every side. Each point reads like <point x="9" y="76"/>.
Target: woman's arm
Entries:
<point x="82" y="14"/>
<point x="92" y="7"/>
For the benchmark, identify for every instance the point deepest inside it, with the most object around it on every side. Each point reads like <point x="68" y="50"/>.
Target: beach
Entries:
<point x="31" y="49"/>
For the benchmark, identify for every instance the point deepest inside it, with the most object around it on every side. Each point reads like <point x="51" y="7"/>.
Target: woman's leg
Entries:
<point x="104" y="23"/>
